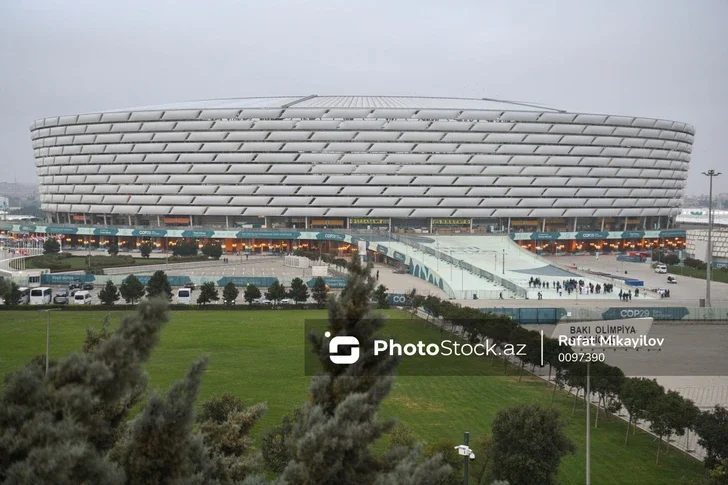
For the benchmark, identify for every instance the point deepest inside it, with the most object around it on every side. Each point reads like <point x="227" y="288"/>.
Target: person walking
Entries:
<point x="377" y="275"/>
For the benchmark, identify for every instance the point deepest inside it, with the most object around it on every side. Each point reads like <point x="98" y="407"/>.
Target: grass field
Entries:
<point x="720" y="275"/>
<point x="259" y="356"/>
<point x="79" y="262"/>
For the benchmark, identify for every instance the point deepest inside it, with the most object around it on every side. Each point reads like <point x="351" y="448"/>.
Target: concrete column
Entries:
<point x="305" y="222"/>
<point x="575" y="219"/>
<point x="625" y="223"/>
<point x="265" y="219"/>
<point x="644" y="223"/>
<point x="227" y="221"/>
<point x="508" y="231"/>
<point x="348" y="223"/>
<point x="471" y="225"/>
<point x="128" y="218"/>
<point x="431" y="225"/>
<point x="602" y="225"/>
<point x="543" y="225"/>
<point x="159" y="222"/>
<point x="105" y="220"/>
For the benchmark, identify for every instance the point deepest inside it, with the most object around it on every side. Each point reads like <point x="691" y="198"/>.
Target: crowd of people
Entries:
<point x="569" y="286"/>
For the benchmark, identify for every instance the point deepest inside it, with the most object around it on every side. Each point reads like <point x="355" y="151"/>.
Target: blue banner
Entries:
<point x="331" y="282"/>
<point x="633" y="235"/>
<point x="330" y="236"/>
<point x="381" y="249"/>
<point x="198" y="234"/>
<point x="399" y="256"/>
<point x="262" y="282"/>
<point x="545" y="236"/>
<point x="658" y="313"/>
<point x="592" y="235"/>
<point x="105" y="231"/>
<point x="61" y="230"/>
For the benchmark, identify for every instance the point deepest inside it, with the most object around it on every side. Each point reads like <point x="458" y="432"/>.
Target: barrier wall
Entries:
<point x="550" y="316"/>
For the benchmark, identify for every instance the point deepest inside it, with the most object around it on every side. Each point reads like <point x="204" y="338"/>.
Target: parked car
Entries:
<point x="262" y="301"/>
<point x="74" y="291"/>
<point x="61" y="297"/>
<point x="88" y="286"/>
<point x="190" y="285"/>
<point x="286" y="301"/>
<point x="672" y="279"/>
<point x="74" y="286"/>
<point x="82" y="298"/>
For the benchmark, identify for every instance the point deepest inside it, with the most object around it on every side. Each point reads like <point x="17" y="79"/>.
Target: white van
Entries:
<point x="183" y="296"/>
<point x="24" y="295"/>
<point x="82" y="298"/>
<point x="661" y="268"/>
<point x="41" y="296"/>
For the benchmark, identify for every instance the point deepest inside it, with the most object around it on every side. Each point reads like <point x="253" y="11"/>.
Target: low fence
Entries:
<point x="551" y="316"/>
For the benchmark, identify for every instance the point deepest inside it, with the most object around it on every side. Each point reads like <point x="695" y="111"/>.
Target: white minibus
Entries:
<point x="661" y="268"/>
<point x="183" y="296"/>
<point x="82" y="298"/>
<point x="41" y="296"/>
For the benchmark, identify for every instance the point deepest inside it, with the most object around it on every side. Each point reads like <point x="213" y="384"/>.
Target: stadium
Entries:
<point x="400" y="164"/>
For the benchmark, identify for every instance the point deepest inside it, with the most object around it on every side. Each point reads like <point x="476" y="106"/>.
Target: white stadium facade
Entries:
<point x="404" y="164"/>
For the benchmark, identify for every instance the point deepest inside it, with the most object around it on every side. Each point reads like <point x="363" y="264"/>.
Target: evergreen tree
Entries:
<point x="146" y="249"/>
<point x="299" y="290"/>
<point x="319" y="291"/>
<point x="380" y="297"/>
<point x="712" y="427"/>
<point x="51" y="246"/>
<point x="225" y="423"/>
<point x="109" y="294"/>
<point x="112" y="249"/>
<point x="208" y="293"/>
<point x="251" y="293"/>
<point x="161" y="446"/>
<point x="158" y="286"/>
<point x="528" y="444"/>
<point x="276" y="292"/>
<point x="212" y="250"/>
<point x="53" y="431"/>
<point x="12" y="294"/>
<point x="331" y="442"/>
<point x="131" y="289"/>
<point x="275" y="443"/>
<point x="185" y="248"/>
<point x="230" y="294"/>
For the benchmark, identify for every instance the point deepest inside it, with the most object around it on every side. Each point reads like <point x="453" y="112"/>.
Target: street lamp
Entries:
<point x="48" y="336"/>
<point x="711" y="174"/>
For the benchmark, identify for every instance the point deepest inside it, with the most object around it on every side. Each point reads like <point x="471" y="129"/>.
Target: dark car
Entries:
<point x="74" y="286"/>
<point x="74" y="291"/>
<point x="88" y="286"/>
<point x="61" y="297"/>
<point x="190" y="285"/>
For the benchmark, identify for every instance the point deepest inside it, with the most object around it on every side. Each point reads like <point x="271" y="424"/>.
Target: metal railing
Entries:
<point x="482" y="273"/>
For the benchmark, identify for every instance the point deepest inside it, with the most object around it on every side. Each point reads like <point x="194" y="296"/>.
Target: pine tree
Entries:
<point x="230" y="294"/>
<point x="158" y="285"/>
<point x="276" y="292"/>
<point x="12" y="294"/>
<point x="380" y="296"/>
<point x="330" y="443"/>
<point x="319" y="292"/>
<point x="145" y="249"/>
<point x="51" y="246"/>
<point x="131" y="289"/>
<point x="109" y="294"/>
<point x="251" y="293"/>
<point x="208" y="293"/>
<point x="52" y="430"/>
<point x="225" y="423"/>
<point x="299" y="290"/>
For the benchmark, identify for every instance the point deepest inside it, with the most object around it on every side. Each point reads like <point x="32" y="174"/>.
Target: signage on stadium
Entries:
<point x="633" y="235"/>
<point x="370" y="221"/>
<point x="149" y="232"/>
<point x="61" y="230"/>
<point x="105" y="231"/>
<point x="451" y="222"/>
<point x="330" y="236"/>
<point x="592" y="235"/>
<point x="545" y="236"/>
<point x="197" y="234"/>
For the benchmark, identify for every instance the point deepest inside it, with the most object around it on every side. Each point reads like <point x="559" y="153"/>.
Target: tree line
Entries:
<point x="669" y="414"/>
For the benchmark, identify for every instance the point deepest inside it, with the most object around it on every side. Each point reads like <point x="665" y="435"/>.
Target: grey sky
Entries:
<point x="654" y="58"/>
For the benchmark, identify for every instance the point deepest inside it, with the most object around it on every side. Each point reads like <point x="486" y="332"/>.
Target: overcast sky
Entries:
<point x="653" y="58"/>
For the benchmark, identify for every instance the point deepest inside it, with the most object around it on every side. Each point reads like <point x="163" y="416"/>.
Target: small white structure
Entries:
<point x="297" y="262"/>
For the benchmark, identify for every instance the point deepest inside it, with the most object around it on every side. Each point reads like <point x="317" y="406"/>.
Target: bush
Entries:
<point x="51" y="246"/>
<point x="671" y="259"/>
<point x="185" y="248"/>
<point x="695" y="263"/>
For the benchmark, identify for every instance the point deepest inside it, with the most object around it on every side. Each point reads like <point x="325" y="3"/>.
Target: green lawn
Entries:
<point x="79" y="262"/>
<point x="259" y="356"/>
<point x="720" y="275"/>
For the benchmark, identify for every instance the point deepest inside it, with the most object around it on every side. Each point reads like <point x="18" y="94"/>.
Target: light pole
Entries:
<point x="504" y="261"/>
<point x="48" y="336"/>
<point x="708" y="269"/>
<point x="466" y="452"/>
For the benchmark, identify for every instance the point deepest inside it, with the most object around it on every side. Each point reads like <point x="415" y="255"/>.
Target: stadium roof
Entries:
<point x="316" y="101"/>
